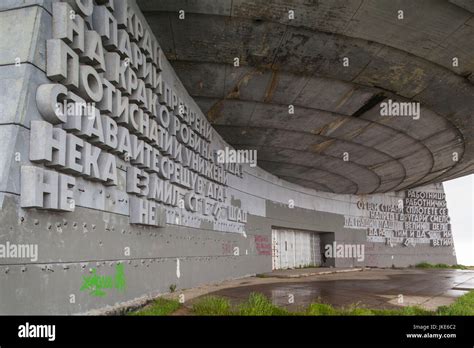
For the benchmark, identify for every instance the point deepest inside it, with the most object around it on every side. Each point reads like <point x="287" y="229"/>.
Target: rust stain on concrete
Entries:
<point x="215" y="111"/>
<point x="330" y="127"/>
<point x="271" y="87"/>
<point x="358" y="131"/>
<point x="244" y="80"/>
<point x="321" y="147"/>
<point x="344" y="99"/>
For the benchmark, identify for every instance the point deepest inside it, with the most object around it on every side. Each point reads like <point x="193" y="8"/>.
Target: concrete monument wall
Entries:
<point x="111" y="186"/>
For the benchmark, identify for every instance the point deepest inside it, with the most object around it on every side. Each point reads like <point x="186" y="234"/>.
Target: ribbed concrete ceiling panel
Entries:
<point x="299" y="62"/>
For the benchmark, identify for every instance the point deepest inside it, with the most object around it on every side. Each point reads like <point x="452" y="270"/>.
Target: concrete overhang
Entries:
<point x="336" y="63"/>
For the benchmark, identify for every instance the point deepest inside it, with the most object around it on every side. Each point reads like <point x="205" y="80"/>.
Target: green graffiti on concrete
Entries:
<point x="96" y="283"/>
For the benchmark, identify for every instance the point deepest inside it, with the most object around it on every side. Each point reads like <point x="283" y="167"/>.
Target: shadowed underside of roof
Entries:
<point x="336" y="140"/>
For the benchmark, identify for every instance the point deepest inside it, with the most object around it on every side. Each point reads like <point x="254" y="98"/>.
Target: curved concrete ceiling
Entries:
<point x="299" y="62"/>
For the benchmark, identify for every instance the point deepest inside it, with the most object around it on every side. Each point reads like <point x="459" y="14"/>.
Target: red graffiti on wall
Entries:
<point x="263" y="245"/>
<point x="227" y="248"/>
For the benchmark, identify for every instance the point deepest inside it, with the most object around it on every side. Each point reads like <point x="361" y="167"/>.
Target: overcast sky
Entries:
<point x="460" y="198"/>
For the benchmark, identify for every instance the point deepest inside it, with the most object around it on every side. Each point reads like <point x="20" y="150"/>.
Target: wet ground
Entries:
<point x="376" y="288"/>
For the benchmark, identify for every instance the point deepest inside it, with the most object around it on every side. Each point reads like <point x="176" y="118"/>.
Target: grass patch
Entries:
<point x="258" y="305"/>
<point x="358" y="310"/>
<point x="321" y="309"/>
<point x="212" y="305"/>
<point x="439" y="266"/>
<point x="160" y="306"/>
<point x="406" y="311"/>
<point x="463" y="305"/>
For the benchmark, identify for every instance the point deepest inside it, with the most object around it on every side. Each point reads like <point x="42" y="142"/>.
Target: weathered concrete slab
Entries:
<point x="228" y="112"/>
<point x="424" y="25"/>
<point x="465" y="4"/>
<point x="217" y="7"/>
<point x="13" y="4"/>
<point x="197" y="82"/>
<point x="326" y="15"/>
<point x="24" y="32"/>
<point x="18" y="94"/>
<point x="410" y="57"/>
